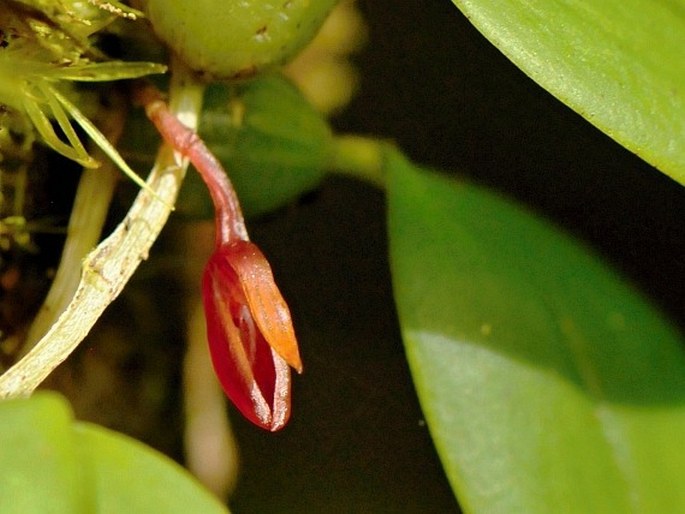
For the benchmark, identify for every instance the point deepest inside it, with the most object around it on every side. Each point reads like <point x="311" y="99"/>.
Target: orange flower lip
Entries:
<point x="250" y="332"/>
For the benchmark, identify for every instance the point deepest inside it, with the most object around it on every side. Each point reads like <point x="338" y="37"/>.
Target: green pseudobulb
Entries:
<point x="233" y="39"/>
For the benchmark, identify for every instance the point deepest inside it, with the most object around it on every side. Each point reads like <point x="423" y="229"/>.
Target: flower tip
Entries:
<point x="290" y="354"/>
<point x="271" y="424"/>
<point x="275" y="427"/>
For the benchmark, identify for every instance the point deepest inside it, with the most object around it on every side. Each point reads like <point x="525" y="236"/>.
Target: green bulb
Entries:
<point x="233" y="39"/>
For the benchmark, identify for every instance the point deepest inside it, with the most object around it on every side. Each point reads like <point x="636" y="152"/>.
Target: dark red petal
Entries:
<point x="253" y="375"/>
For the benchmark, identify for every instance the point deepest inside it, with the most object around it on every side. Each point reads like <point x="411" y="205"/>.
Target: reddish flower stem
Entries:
<point x="230" y="224"/>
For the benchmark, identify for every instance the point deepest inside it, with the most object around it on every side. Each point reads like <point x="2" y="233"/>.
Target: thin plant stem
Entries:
<point x="210" y="448"/>
<point x="360" y="157"/>
<point x="107" y="269"/>
<point x="88" y="215"/>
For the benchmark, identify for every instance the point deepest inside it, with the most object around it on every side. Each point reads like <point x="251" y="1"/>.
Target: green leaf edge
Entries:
<point x="421" y="375"/>
<point x="596" y="81"/>
<point x="130" y="475"/>
<point x="95" y="462"/>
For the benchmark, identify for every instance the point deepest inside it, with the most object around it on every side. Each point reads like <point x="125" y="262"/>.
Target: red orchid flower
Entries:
<point x="249" y="328"/>
<point x="251" y="337"/>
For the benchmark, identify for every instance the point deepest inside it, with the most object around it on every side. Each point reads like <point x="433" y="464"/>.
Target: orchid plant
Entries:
<point x="547" y="381"/>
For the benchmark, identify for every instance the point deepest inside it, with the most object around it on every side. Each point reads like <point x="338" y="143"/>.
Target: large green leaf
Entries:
<point x="40" y="472"/>
<point x="274" y="144"/>
<point x="51" y="465"/>
<point x="132" y="478"/>
<point x="548" y="383"/>
<point x="619" y="63"/>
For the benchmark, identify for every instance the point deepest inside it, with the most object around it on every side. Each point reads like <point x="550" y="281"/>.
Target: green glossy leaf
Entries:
<point x="272" y="142"/>
<point x="548" y="383"/>
<point x="51" y="465"/>
<point x="40" y="472"/>
<point x="133" y="478"/>
<point x="618" y="63"/>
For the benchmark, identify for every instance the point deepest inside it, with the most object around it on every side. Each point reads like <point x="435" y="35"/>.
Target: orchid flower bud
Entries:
<point x="251" y="337"/>
<point x="250" y="332"/>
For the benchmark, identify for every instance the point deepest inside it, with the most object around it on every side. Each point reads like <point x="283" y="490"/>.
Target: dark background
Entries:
<point x="434" y="85"/>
